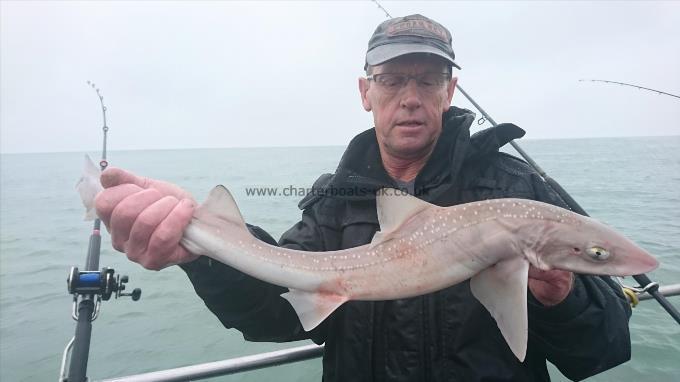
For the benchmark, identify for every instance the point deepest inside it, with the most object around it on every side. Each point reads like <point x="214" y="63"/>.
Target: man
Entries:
<point x="423" y="145"/>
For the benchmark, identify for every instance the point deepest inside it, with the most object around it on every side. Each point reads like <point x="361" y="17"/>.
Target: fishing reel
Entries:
<point x="102" y="284"/>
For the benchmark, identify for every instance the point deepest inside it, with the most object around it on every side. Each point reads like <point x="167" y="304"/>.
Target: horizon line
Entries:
<point x="300" y="146"/>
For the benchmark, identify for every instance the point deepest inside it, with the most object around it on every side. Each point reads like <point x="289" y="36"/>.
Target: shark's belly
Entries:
<point x="424" y="271"/>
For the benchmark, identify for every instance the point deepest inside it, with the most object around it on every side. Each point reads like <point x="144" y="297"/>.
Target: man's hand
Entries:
<point x="550" y="287"/>
<point x="146" y="218"/>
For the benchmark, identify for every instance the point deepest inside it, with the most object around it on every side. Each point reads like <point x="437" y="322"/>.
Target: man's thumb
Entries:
<point x="114" y="176"/>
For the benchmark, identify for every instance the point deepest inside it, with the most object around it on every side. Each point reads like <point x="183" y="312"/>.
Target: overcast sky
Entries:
<point x="227" y="74"/>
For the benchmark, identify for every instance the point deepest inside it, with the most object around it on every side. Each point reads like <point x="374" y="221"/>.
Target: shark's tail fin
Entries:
<point x="88" y="187"/>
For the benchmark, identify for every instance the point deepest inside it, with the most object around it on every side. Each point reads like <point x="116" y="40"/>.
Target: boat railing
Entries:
<point x="229" y="366"/>
<point x="278" y="357"/>
<point x="666" y="290"/>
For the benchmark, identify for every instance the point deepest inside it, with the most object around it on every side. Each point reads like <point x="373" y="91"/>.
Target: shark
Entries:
<point x="422" y="248"/>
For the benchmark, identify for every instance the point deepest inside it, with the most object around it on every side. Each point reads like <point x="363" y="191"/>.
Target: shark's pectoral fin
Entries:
<point x="313" y="308"/>
<point x="502" y="289"/>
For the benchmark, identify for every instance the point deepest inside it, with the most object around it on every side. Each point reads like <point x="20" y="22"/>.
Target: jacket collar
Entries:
<point x="360" y="171"/>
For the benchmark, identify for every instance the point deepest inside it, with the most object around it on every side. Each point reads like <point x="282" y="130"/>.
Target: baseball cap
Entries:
<point x="409" y="34"/>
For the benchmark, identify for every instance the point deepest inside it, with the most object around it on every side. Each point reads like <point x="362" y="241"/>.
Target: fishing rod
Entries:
<point x="632" y="85"/>
<point x="89" y="287"/>
<point x="383" y="9"/>
<point x="646" y="285"/>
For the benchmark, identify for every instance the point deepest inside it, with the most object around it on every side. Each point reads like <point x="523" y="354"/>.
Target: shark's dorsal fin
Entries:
<point x="394" y="207"/>
<point x="221" y="204"/>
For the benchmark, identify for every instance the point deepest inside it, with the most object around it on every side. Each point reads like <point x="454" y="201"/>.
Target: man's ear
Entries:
<point x="363" y="89"/>
<point x="450" y="89"/>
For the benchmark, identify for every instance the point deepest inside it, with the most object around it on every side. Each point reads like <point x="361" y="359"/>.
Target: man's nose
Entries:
<point x="410" y="96"/>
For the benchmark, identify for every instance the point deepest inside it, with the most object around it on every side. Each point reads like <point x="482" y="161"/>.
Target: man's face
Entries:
<point x="407" y="120"/>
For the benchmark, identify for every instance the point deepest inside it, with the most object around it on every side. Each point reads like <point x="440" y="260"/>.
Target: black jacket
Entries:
<point x="442" y="336"/>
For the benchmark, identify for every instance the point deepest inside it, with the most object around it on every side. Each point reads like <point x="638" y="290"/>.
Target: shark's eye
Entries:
<point x="598" y="253"/>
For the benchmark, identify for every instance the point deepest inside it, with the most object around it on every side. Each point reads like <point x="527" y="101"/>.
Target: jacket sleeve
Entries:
<point x="586" y="333"/>
<point x="247" y="304"/>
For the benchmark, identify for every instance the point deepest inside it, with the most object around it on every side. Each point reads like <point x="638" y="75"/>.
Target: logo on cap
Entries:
<point x="422" y="28"/>
<point x="406" y="35"/>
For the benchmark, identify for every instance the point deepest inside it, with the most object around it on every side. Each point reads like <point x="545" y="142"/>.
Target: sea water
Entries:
<point x="632" y="184"/>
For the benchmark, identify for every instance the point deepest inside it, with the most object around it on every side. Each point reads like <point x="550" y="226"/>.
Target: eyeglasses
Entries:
<point x="428" y="82"/>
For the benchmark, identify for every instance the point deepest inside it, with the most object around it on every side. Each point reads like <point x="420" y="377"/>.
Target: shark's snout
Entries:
<point x="643" y="262"/>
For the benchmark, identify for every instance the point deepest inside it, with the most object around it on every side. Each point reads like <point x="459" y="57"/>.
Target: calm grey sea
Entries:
<point x="632" y="184"/>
